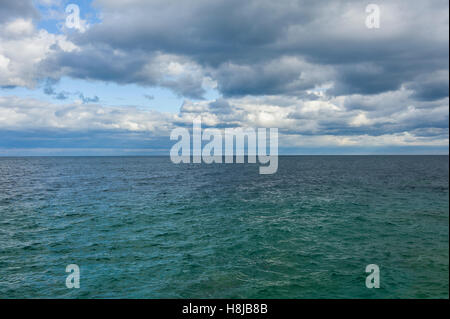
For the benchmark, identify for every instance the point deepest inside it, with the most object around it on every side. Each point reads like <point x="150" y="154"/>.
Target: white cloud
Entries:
<point x="29" y="114"/>
<point x="23" y="114"/>
<point x="22" y="48"/>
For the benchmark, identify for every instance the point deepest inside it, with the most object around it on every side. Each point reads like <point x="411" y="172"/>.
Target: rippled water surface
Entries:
<point x="142" y="227"/>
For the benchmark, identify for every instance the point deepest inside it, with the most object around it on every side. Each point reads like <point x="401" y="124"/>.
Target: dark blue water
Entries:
<point x="142" y="227"/>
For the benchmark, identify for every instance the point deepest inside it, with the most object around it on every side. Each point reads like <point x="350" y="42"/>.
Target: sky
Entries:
<point x="133" y="70"/>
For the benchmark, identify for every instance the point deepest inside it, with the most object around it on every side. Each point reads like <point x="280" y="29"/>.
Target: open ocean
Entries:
<point x="143" y="227"/>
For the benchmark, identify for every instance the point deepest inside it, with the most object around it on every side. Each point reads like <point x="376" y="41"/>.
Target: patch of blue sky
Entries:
<point x="109" y="94"/>
<point x="53" y="14"/>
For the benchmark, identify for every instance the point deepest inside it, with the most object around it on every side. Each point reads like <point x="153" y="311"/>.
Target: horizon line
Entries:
<point x="279" y="155"/>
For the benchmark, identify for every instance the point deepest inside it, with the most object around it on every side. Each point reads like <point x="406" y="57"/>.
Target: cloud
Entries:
<point x="253" y="47"/>
<point x="22" y="50"/>
<point x="430" y="87"/>
<point x="285" y="75"/>
<point x="262" y="47"/>
<point x="50" y="3"/>
<point x="310" y="124"/>
<point x="64" y="95"/>
<point x="180" y="74"/>
<point x="12" y="10"/>
<point x="374" y="115"/>
<point x="85" y="100"/>
<point x="310" y="68"/>
<point x="20" y="114"/>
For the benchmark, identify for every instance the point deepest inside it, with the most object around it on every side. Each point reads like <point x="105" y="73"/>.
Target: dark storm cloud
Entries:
<point x="286" y="75"/>
<point x="211" y="31"/>
<point x="136" y="67"/>
<point x="431" y="86"/>
<point x="241" y="45"/>
<point x="96" y="63"/>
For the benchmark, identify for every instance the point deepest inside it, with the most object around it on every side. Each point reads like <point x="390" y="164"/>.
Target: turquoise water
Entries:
<point x="142" y="227"/>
